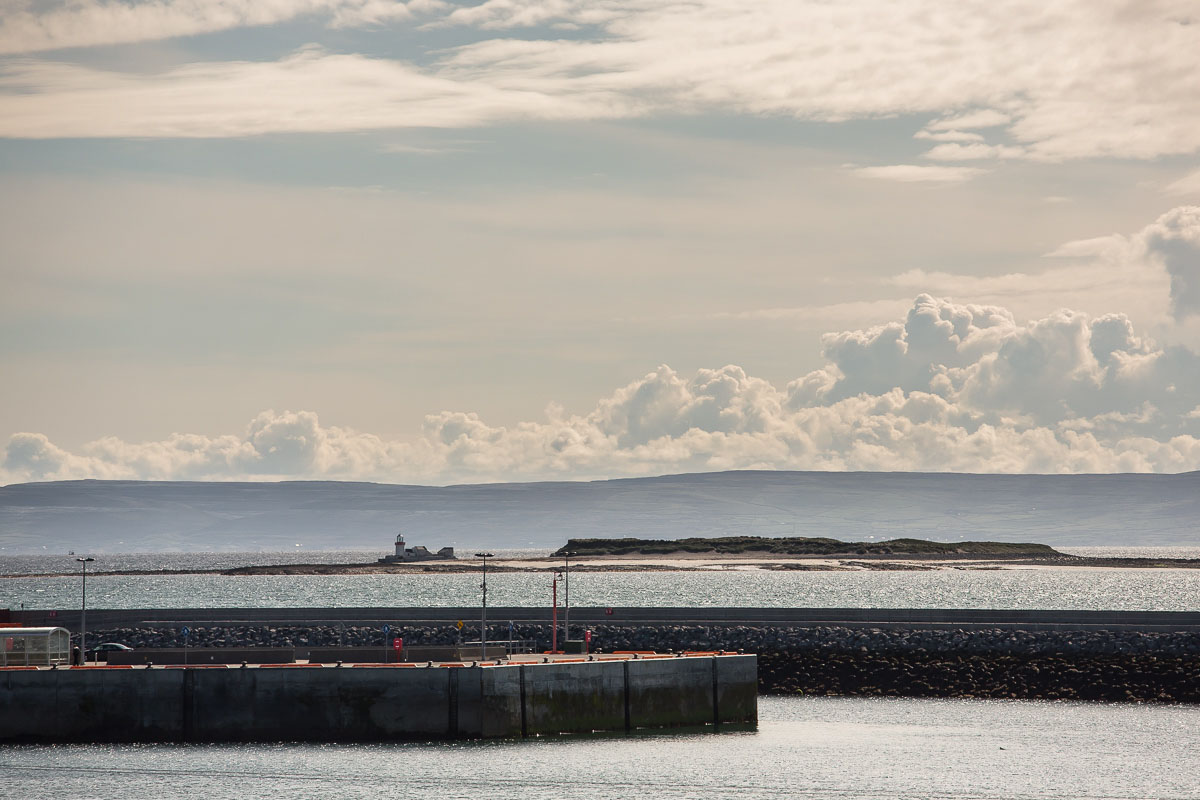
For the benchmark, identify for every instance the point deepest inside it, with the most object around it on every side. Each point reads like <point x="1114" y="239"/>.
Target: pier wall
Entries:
<point x="1137" y="656"/>
<point x="373" y="703"/>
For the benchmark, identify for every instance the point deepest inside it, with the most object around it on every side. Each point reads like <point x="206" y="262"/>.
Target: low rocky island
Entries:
<point x="716" y="554"/>
<point x="758" y="552"/>
<point x="801" y="546"/>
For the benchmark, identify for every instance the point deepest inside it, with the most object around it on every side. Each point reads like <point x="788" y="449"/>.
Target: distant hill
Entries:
<point x="128" y="516"/>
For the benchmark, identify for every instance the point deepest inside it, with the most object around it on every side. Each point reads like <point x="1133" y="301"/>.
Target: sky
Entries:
<point x="448" y="242"/>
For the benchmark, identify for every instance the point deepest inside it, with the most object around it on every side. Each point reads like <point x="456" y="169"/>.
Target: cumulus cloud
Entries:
<point x="1062" y="368"/>
<point x="275" y="445"/>
<point x="1038" y="80"/>
<point x="1174" y="239"/>
<point x="1153" y="275"/>
<point x="950" y="387"/>
<point x="34" y="455"/>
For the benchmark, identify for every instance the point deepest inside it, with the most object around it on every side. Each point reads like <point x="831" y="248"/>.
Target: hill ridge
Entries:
<point x="110" y="516"/>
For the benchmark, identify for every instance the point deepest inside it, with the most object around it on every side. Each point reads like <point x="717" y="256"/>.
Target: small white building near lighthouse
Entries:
<point x="416" y="553"/>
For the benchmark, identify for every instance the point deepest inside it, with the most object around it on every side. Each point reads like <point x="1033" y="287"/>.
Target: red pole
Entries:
<point x="554" y="635"/>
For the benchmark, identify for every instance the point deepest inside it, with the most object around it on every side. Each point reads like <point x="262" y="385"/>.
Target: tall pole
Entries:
<point x="567" y="600"/>
<point x="554" y="621"/>
<point x="483" y="618"/>
<point x="83" y="611"/>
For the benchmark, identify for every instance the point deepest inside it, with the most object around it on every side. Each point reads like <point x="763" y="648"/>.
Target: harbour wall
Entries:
<point x="1138" y="656"/>
<point x="373" y="703"/>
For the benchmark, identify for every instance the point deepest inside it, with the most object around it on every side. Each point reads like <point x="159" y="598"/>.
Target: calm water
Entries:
<point x="813" y="748"/>
<point x="1104" y="589"/>
<point x="1150" y="589"/>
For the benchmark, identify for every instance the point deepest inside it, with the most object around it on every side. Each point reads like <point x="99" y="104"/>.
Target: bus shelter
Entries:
<point x="34" y="647"/>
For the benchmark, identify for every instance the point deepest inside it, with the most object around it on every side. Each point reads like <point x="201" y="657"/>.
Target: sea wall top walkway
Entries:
<point x="582" y="616"/>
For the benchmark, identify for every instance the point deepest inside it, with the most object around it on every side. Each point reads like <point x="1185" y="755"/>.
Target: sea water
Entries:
<point x="1061" y="588"/>
<point x="1071" y="588"/>
<point x="803" y="747"/>
<point x="839" y="748"/>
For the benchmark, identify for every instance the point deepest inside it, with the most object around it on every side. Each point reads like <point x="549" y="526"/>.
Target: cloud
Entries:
<point x="983" y="118"/>
<point x="274" y="445"/>
<point x="405" y="148"/>
<point x="1187" y="185"/>
<point x="1174" y="239"/>
<point x="910" y="173"/>
<point x="1065" y="80"/>
<point x="829" y="314"/>
<point x="1029" y="70"/>
<point x="83" y="23"/>
<point x="1152" y="275"/>
<point x="955" y="151"/>
<point x="33" y="454"/>
<point x="311" y="90"/>
<point x="950" y="387"/>
<point x="1066" y="366"/>
<point x="948" y="136"/>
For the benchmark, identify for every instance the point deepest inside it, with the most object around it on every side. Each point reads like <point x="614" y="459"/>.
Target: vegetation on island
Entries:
<point x="800" y="546"/>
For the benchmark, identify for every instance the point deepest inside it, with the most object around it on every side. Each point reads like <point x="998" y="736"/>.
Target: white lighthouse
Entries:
<point x="399" y="546"/>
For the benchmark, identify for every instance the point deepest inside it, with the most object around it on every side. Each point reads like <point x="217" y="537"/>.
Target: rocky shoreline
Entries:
<point x="1101" y="665"/>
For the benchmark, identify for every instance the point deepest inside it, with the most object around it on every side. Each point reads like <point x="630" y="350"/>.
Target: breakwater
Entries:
<point x="1026" y="618"/>
<point x="1091" y="663"/>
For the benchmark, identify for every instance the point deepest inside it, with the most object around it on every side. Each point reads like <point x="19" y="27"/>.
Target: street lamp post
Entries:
<point x="567" y="598"/>
<point x="483" y="618"/>
<point x="83" y="611"/>
<point x="554" y="611"/>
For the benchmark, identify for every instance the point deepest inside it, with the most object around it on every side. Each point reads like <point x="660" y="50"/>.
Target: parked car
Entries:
<point x="100" y="652"/>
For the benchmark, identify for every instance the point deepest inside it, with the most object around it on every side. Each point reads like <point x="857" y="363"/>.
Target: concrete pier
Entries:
<point x="322" y="702"/>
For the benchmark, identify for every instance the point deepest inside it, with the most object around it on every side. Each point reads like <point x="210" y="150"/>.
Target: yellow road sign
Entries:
<point x="458" y="624"/>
